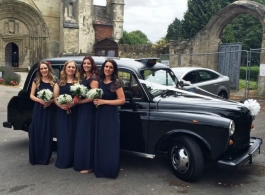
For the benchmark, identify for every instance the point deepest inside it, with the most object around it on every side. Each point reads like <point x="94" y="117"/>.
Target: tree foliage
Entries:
<point x="134" y="38"/>
<point x="198" y="15"/>
<point x="174" y="31"/>
<point x="244" y="28"/>
<point x="161" y="46"/>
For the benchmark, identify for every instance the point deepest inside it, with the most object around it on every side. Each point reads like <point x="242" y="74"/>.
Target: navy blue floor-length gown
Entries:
<point x="41" y="131"/>
<point x="66" y="129"/>
<point x="85" y="133"/>
<point x="107" y="135"/>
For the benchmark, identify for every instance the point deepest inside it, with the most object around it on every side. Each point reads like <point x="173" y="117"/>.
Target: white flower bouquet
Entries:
<point x="94" y="93"/>
<point x="45" y="94"/>
<point x="78" y="90"/>
<point x="65" y="99"/>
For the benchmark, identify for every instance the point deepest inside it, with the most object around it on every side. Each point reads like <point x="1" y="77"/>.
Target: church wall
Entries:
<point x="50" y="11"/>
<point x="71" y="37"/>
<point x="117" y="16"/>
<point x="86" y="29"/>
<point x="51" y="28"/>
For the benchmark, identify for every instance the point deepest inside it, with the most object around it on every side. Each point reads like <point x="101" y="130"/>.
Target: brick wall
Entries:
<point x="102" y="32"/>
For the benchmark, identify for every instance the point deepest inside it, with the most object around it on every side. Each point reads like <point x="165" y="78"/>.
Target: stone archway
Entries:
<point x="24" y="26"/>
<point x="208" y="39"/>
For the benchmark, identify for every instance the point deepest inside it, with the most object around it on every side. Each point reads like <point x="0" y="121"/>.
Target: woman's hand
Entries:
<point x="64" y="106"/>
<point x="71" y="104"/>
<point x="42" y="102"/>
<point x="98" y="102"/>
<point x="47" y="104"/>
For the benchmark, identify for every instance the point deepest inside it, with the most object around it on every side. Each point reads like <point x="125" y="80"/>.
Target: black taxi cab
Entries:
<point x="160" y="117"/>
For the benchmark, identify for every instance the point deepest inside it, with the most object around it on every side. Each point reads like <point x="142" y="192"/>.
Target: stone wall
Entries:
<point x="137" y="51"/>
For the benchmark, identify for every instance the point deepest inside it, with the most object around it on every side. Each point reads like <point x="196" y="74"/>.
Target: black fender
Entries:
<point x="211" y="130"/>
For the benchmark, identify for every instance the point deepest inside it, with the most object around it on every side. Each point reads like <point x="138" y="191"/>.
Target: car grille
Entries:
<point x="242" y="132"/>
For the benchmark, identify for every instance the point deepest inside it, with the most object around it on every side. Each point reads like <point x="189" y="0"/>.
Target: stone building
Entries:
<point x="38" y="29"/>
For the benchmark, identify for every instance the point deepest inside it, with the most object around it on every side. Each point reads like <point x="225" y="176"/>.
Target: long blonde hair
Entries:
<point x="50" y="74"/>
<point x="63" y="76"/>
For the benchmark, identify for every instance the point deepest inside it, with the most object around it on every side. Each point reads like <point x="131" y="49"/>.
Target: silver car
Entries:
<point x="203" y="81"/>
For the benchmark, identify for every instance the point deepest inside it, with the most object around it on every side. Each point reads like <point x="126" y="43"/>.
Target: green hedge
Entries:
<point x="9" y="76"/>
<point x="254" y="73"/>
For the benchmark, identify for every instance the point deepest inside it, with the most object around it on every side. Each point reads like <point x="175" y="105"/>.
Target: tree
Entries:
<point x="134" y="38"/>
<point x="198" y="15"/>
<point x="161" y="46"/>
<point x="174" y="31"/>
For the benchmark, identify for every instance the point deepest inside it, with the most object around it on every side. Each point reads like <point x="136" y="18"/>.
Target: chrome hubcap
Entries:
<point x="180" y="159"/>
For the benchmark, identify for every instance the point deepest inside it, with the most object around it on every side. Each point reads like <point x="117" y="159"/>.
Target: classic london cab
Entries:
<point x="161" y="118"/>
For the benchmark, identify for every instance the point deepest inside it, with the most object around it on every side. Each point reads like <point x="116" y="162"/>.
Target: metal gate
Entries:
<point x="229" y="60"/>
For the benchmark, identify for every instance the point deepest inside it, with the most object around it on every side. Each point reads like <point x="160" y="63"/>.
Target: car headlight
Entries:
<point x="231" y="128"/>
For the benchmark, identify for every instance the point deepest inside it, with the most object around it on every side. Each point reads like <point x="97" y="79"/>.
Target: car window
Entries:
<point x="56" y="73"/>
<point x="163" y="77"/>
<point x="206" y="75"/>
<point x="130" y="84"/>
<point x="191" y="76"/>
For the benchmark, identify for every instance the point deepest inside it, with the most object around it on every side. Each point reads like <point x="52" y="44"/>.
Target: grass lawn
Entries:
<point x="253" y="85"/>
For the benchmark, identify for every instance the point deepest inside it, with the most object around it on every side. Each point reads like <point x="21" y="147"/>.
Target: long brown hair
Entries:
<point x="114" y="75"/>
<point x="94" y="68"/>
<point x="63" y="76"/>
<point x="50" y="74"/>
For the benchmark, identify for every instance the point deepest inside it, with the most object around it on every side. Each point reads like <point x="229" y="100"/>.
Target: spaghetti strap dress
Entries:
<point x="66" y="130"/>
<point x="85" y="133"/>
<point x="107" y="135"/>
<point x="41" y="131"/>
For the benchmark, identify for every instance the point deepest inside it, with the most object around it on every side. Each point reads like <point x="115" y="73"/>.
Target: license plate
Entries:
<point x="254" y="154"/>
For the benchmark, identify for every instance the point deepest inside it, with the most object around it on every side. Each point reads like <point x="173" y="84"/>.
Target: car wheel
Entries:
<point x="186" y="158"/>
<point x="222" y="94"/>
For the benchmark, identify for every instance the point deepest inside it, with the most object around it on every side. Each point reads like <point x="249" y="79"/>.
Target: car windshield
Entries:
<point x="160" y="76"/>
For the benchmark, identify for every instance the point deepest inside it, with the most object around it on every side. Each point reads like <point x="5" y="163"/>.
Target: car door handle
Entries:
<point x="215" y="84"/>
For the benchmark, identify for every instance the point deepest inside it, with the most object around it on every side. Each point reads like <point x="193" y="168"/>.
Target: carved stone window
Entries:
<point x="11" y="27"/>
<point x="70" y="18"/>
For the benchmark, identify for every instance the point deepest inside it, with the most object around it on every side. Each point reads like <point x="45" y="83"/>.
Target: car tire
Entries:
<point x="222" y="94"/>
<point x="186" y="158"/>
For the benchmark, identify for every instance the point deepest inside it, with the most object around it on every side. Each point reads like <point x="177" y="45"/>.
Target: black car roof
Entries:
<point x="134" y="65"/>
<point x="122" y="62"/>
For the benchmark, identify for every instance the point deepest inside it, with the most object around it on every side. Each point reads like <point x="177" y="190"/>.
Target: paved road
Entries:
<point x="137" y="175"/>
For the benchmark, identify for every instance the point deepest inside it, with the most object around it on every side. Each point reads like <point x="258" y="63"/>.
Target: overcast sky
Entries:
<point x="152" y="17"/>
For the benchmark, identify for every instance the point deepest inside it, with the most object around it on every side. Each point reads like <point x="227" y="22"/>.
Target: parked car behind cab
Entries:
<point x="157" y="118"/>
<point x="204" y="78"/>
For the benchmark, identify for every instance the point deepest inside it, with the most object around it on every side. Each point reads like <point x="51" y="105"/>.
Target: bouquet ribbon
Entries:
<point x="69" y="111"/>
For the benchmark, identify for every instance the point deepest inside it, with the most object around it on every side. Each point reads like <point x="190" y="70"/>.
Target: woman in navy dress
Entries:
<point x="107" y="135"/>
<point x="41" y="128"/>
<point x="66" y="123"/>
<point x="85" y="131"/>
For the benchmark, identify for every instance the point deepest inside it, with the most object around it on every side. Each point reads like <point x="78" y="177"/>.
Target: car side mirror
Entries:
<point x="186" y="83"/>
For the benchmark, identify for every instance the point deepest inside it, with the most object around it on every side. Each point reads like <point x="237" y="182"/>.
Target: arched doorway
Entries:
<point x="25" y="32"/>
<point x="11" y="55"/>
